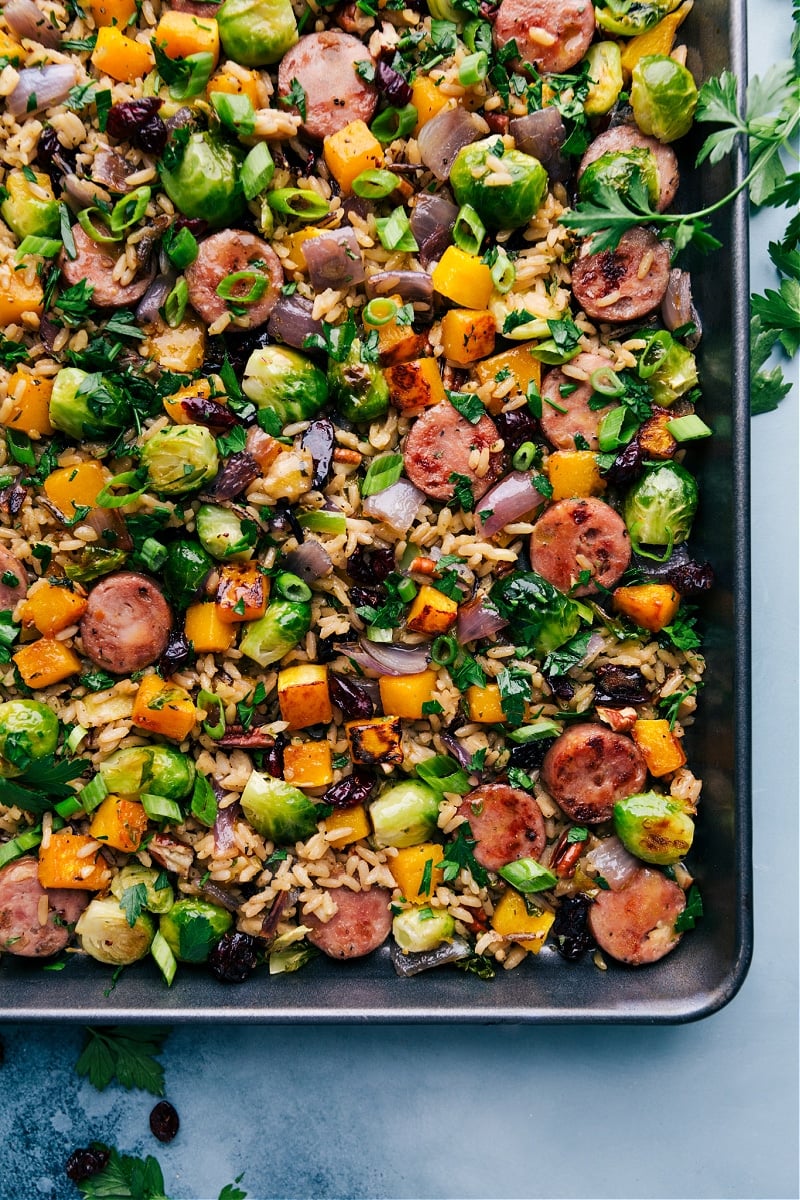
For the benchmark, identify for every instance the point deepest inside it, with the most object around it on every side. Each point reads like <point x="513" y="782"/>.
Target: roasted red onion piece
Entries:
<point x="441" y="138"/>
<point x="611" y="860"/>
<point x="319" y="439"/>
<point x="224" y="823"/>
<point x="291" y="321"/>
<point x="413" y="287"/>
<point x="310" y="561"/>
<point x="396" y="506"/>
<point x="27" y="21"/>
<point x="677" y="308"/>
<point x="39" y="88"/>
<point x="237" y="473"/>
<point x="477" y="619"/>
<point x="152" y="301"/>
<point x="407" y="964"/>
<point x="432" y="220"/>
<point x="385" y="659"/>
<point x="542" y="134"/>
<point x="391" y="84"/>
<point x="334" y="259"/>
<point x="112" y="171"/>
<point x="509" y="500"/>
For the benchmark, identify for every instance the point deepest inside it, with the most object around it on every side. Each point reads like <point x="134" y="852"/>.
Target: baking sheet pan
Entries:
<point x="708" y="968"/>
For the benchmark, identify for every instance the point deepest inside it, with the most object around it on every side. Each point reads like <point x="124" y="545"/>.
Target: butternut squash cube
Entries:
<point x="518" y="363"/>
<point x="119" y="823"/>
<point x="236" y="83"/>
<point x="467" y="335"/>
<point x="483" y="705"/>
<point x="397" y="343"/>
<point x="50" y="609"/>
<point x="415" y="385"/>
<point x="180" y="34"/>
<point x="661" y="748"/>
<point x="404" y="695"/>
<point x="428" y="99"/>
<point x="655" y="439"/>
<point x="574" y="473"/>
<point x="432" y="612"/>
<point x="63" y="865"/>
<point x="350" y="151"/>
<point x="173" y="405"/>
<point x="308" y="764"/>
<point x="30" y="409"/>
<point x="296" y="241"/>
<point x="18" y="297"/>
<point x="410" y="868"/>
<point x="375" y="741"/>
<point x="353" y="823"/>
<point x="163" y="707"/>
<point x="463" y="278"/>
<point x="121" y="57"/>
<point x="181" y="349"/>
<point x="70" y="488"/>
<point x="112" y="12"/>
<point x="207" y="629"/>
<point x="658" y="40"/>
<point x="511" y="919"/>
<point x="242" y="593"/>
<point x="303" y="696"/>
<point x="10" y="49"/>
<point x="46" y="662"/>
<point x="649" y="605"/>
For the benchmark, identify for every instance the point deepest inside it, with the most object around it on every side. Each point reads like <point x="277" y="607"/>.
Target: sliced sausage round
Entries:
<point x="95" y="264"/>
<point x="628" y="137"/>
<point x="578" y="419"/>
<point x="589" y="767"/>
<point x="197" y="8"/>
<point x="636" y="925"/>
<point x="13" y="580"/>
<point x="506" y="823"/>
<point x="361" y="923"/>
<point x="324" y="66"/>
<point x="127" y="623"/>
<point x="623" y="284"/>
<point x="575" y="536"/>
<point x="226" y="253"/>
<point x="21" y="929"/>
<point x="552" y="35"/>
<point x="440" y="445"/>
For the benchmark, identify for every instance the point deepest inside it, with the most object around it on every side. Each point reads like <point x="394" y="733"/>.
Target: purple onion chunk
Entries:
<point x="26" y="21"/>
<point x="441" y="138"/>
<point x="334" y="259"/>
<point x="512" y="498"/>
<point x="309" y="562"/>
<point x="542" y="134"/>
<point x="432" y="220"/>
<point x="39" y="88"/>
<point x="351" y="696"/>
<point x="413" y="287"/>
<point x="408" y="964"/>
<point x="320" y="440"/>
<point x="397" y="506"/>
<point x="291" y="321"/>
<point x="392" y="85"/>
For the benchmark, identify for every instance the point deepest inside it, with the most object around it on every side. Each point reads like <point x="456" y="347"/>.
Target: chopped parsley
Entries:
<point x="126" y="1054"/>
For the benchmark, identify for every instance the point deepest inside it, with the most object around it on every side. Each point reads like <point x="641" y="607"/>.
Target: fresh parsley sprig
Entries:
<point x="127" y="1055"/>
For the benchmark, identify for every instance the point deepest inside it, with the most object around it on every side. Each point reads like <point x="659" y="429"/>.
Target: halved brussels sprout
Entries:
<point x="280" y="629"/>
<point x="627" y="19"/>
<point x="185" y="570"/>
<point x="405" y="814"/>
<point x="277" y="810"/>
<point x="358" y="388"/>
<point x="663" y="97"/>
<point x="30" y="208"/>
<point x="28" y="730"/>
<point x="285" y="381"/>
<point x="155" y="770"/>
<point x="106" y="934"/>
<point x="616" y="169"/>
<point x="205" y="183"/>
<point x="134" y="875"/>
<point x="257" y="33"/>
<point x="605" y="71"/>
<point x="550" y="618"/>
<point x="180" y="459"/>
<point x="655" y="828"/>
<point x="505" y="189"/>
<point x="419" y="929"/>
<point x="660" y="507"/>
<point x="87" y="407"/>
<point x="669" y="368"/>
<point x="224" y="535"/>
<point x="193" y="927"/>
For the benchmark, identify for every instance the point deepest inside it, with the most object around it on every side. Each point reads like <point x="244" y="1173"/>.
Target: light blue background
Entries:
<point x="700" y="1111"/>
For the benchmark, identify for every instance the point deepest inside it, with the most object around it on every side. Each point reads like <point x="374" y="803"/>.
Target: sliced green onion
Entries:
<point x="407" y="590"/>
<point x="106" y="497"/>
<point x="159" y="808"/>
<point x="227" y="287"/>
<point x="444" y="774"/>
<point x="200" y="67"/>
<point x="477" y="35"/>
<point x="380" y="311"/>
<point x="153" y="554"/>
<point x="129" y="209"/>
<point x="204" y="802"/>
<point x="69" y="807"/>
<point x="182" y="249"/>
<point x="545" y="728"/>
<point x="46" y="247"/>
<point x="375" y="184"/>
<point x="394" y="123"/>
<point x="322" y="521"/>
<point x="382" y="473"/>
<point x="473" y="69"/>
<point x="210" y="703"/>
<point x="657" y="348"/>
<point x="503" y="271"/>
<point x="444" y="650"/>
<point x="103" y="237"/>
<point x="292" y="587"/>
<point x="165" y="959"/>
<point x="301" y="203"/>
<point x="75" y="738"/>
<point x="395" y="232"/>
<point x="688" y="428"/>
<point x="616" y="429"/>
<point x="235" y="110"/>
<point x="19" y="845"/>
<point x="528" y="875"/>
<point x="175" y="303"/>
<point x="606" y="382"/>
<point x="93" y="795"/>
<point x="525" y="456"/>
<point x="469" y="230"/>
<point x="257" y="171"/>
<point x="377" y="633"/>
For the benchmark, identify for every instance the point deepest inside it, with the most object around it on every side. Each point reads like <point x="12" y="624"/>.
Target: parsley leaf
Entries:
<point x="132" y="902"/>
<point x="468" y="405"/>
<point x="232" y="1192"/>
<point x="670" y="705"/>
<point x="459" y="854"/>
<point x="693" y="911"/>
<point x="462" y="491"/>
<point x="570" y="655"/>
<point x="125" y="1178"/>
<point x="515" y="692"/>
<point x="127" y="1054"/>
<point x="42" y="782"/>
<point x="682" y="633"/>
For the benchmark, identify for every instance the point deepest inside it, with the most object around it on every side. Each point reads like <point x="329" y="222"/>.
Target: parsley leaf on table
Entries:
<point x="125" y="1178"/>
<point x="127" y="1054"/>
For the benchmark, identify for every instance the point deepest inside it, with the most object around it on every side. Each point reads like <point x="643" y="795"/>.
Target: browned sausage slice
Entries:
<point x="13" y="580"/>
<point x="324" y="66"/>
<point x="636" y="925"/>
<point x="575" y="536"/>
<point x="441" y="443"/>
<point x="506" y="823"/>
<point x="362" y="923"/>
<point x="127" y="623"/>
<point x="95" y="264"/>
<point x="578" y="419"/>
<point x="628" y="137"/>
<point x="226" y="253"/>
<point x="552" y="35"/>
<point x="623" y="284"/>
<point x="21" y="929"/>
<point x="197" y="8"/>
<point x="589" y="767"/>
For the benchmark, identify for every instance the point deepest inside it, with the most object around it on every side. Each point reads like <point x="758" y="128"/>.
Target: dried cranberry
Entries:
<point x="350" y="695"/>
<point x="273" y="758"/>
<point x="392" y="85"/>
<point x="353" y="789"/>
<point x="319" y="440"/>
<point x="617" y="687"/>
<point x="164" y="1121"/>
<point x="127" y="119"/>
<point x="530" y="756"/>
<point x="561" y="687"/>
<point x="372" y="597"/>
<point x="571" y="928"/>
<point x="82" y="1164"/>
<point x="209" y="412"/>
<point x="177" y="653"/>
<point x="284" y="517"/>
<point x="12" y="498"/>
<point x="516" y="427"/>
<point x="152" y="137"/>
<point x="690" y="578"/>
<point x="52" y="157"/>
<point x="627" y="466"/>
<point x="234" y="958"/>
<point x="367" y="565"/>
<point x="195" y="225"/>
<point x="326" y="647"/>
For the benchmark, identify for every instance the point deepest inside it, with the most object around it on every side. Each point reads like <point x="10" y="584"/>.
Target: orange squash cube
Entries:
<point x="467" y="335"/>
<point x="18" y="297"/>
<point x="30" y="409"/>
<point x="464" y="279"/>
<point x="428" y="99"/>
<point x="112" y="12"/>
<point x="207" y="630"/>
<point x="375" y="741"/>
<point x="180" y="34"/>
<point x="415" y="385"/>
<point x="46" y="662"/>
<point x="432" y="612"/>
<point x="511" y="919"/>
<point x="410" y="866"/>
<point x="574" y="473"/>
<point x="236" y="83"/>
<point x="650" y="605"/>
<point x="404" y="695"/>
<point x="483" y="705"/>
<point x="121" y="57"/>
<point x="661" y="748"/>
<point x="163" y="707"/>
<point x="353" y="824"/>
<point x="119" y="823"/>
<point x="303" y="696"/>
<point x="308" y="764"/>
<point x="181" y="349"/>
<point x="350" y="151"/>
<point x="68" y="862"/>
<point x="242" y="593"/>
<point x="173" y="405"/>
<point x="70" y="488"/>
<point x="50" y="608"/>
<point x="518" y="364"/>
